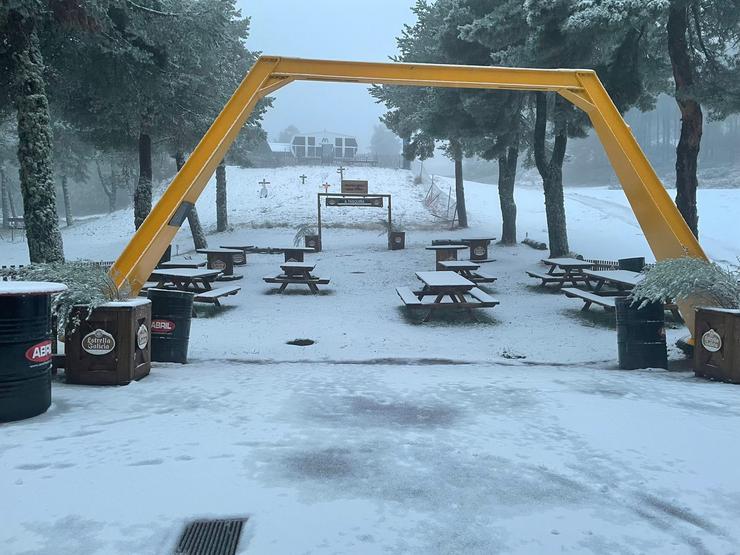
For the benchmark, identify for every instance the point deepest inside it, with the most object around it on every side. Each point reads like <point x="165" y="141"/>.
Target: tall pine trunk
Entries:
<point x="687" y="151"/>
<point x="551" y="172"/>
<point x="67" y="202"/>
<point x="506" y="177"/>
<point x="4" y="198"/>
<point x="462" y="212"/>
<point x="196" y="229"/>
<point x="34" y="144"/>
<point x="405" y="162"/>
<point x="222" y="221"/>
<point x="143" y="192"/>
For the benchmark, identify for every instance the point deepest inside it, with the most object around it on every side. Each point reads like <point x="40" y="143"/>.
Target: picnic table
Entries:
<point x="445" y="252"/>
<point x="294" y="254"/>
<point x="298" y="273"/>
<point x="467" y="269"/>
<point x="196" y="280"/>
<point x="449" y="290"/>
<point x="223" y="260"/>
<point x="239" y="259"/>
<point x="478" y="247"/>
<point x="562" y="271"/>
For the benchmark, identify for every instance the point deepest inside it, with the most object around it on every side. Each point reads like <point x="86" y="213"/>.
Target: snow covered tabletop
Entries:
<point x="8" y="288"/>
<point x="622" y="277"/>
<point x="445" y="247"/>
<point x="445" y="280"/>
<point x="567" y="262"/>
<point x="458" y="265"/>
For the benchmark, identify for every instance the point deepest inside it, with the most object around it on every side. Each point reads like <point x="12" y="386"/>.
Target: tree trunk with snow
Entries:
<point x="405" y="161"/>
<point x="462" y="213"/>
<point x="222" y="219"/>
<point x="506" y="177"/>
<point x="551" y="172"/>
<point x="34" y="145"/>
<point x="67" y="202"/>
<point x="687" y="151"/>
<point x="143" y="192"/>
<point x="196" y="229"/>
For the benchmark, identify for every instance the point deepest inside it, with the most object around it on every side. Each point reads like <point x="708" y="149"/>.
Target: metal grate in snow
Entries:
<point x="210" y="537"/>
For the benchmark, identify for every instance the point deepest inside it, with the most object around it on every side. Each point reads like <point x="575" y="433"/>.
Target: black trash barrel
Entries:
<point x="171" y="315"/>
<point x="641" y="335"/>
<point x="632" y="264"/>
<point x="25" y="348"/>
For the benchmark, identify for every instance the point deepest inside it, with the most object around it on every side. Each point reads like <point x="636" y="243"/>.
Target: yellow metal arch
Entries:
<point x="663" y="226"/>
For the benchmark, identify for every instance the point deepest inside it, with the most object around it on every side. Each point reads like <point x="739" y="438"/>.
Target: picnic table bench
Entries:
<point x="562" y="271"/>
<point x="298" y="273"/>
<point x="449" y="290"/>
<point x="195" y="280"/>
<point x="467" y="269"/>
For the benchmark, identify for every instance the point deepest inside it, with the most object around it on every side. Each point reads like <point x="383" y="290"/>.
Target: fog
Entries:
<point x="328" y="29"/>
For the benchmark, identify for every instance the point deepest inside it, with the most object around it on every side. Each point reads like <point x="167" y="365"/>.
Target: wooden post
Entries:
<point x="318" y="198"/>
<point x="389" y="220"/>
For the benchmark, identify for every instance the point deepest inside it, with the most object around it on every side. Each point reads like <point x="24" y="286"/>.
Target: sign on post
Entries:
<point x="376" y="202"/>
<point x="354" y="187"/>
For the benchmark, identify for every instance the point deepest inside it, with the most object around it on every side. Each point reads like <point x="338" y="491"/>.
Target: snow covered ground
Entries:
<point x="514" y="434"/>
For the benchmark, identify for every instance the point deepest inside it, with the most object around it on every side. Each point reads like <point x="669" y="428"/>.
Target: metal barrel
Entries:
<point x="170" y="328"/>
<point x="25" y="356"/>
<point x="635" y="264"/>
<point x="641" y="335"/>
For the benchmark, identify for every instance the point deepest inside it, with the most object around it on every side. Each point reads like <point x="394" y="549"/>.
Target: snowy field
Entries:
<point x="513" y="434"/>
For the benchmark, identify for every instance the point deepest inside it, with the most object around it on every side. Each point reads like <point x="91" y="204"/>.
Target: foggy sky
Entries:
<point x="329" y="29"/>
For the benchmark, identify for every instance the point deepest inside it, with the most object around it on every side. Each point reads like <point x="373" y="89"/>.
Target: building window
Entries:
<point x="299" y="140"/>
<point x="338" y="142"/>
<point x="300" y="151"/>
<point x="311" y="150"/>
<point x="311" y="141"/>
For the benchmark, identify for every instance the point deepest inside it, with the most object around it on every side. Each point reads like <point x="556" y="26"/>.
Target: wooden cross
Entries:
<point x="303" y="179"/>
<point x="340" y="171"/>
<point x="326" y="187"/>
<point x="264" y="182"/>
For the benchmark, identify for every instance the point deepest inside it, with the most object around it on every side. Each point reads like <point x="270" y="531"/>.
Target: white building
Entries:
<point x="325" y="146"/>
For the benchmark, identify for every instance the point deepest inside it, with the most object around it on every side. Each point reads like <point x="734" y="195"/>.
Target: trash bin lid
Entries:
<point x="19" y="288"/>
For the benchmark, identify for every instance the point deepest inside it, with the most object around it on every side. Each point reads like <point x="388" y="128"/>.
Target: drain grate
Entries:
<point x="210" y="537"/>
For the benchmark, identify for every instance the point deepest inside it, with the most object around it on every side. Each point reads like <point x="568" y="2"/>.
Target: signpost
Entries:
<point x="376" y="202"/>
<point x="354" y="187"/>
<point x="352" y="199"/>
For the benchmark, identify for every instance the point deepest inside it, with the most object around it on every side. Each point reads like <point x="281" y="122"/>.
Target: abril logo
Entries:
<point x="39" y="353"/>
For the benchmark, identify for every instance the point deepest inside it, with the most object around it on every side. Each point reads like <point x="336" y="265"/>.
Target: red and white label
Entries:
<point x="39" y="353"/>
<point x="163" y="326"/>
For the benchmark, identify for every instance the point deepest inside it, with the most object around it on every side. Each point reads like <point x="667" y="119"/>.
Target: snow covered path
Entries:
<point x="370" y="458"/>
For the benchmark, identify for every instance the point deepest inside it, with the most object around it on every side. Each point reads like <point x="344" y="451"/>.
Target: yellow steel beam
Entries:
<point x="665" y="230"/>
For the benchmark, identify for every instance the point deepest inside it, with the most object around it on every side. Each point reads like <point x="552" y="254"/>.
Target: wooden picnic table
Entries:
<point x="621" y="280"/>
<point x="449" y="290"/>
<point x="298" y="273"/>
<point x="239" y="260"/>
<point x="295" y="254"/>
<point x="562" y="271"/>
<point x="445" y="252"/>
<point x="478" y="247"/>
<point x="185" y="279"/>
<point x="223" y="260"/>
<point x="467" y="269"/>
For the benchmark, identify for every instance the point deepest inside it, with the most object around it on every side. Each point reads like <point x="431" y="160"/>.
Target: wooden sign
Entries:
<point x="354" y="187"/>
<point x="376" y="202"/>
